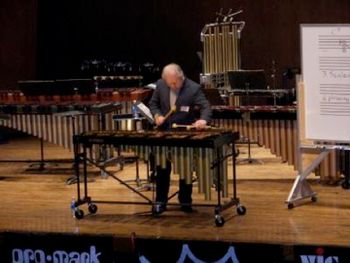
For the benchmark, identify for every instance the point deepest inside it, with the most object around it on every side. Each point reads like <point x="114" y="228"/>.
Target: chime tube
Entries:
<point x="182" y="163"/>
<point x="175" y="158"/>
<point x="188" y="165"/>
<point x="199" y="169"/>
<point x="163" y="157"/>
<point x="206" y="174"/>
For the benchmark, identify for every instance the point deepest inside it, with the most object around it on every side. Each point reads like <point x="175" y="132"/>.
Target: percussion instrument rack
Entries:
<point x="213" y="140"/>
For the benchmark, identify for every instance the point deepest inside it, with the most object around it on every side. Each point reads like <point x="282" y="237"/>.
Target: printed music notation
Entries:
<point x="334" y="41"/>
<point x="335" y="70"/>
<point x="326" y="73"/>
<point x="335" y="67"/>
<point x="335" y="99"/>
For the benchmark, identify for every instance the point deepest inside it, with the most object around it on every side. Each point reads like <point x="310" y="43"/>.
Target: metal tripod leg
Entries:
<point x="301" y="188"/>
<point x="143" y="187"/>
<point x="249" y="159"/>
<point x="42" y="164"/>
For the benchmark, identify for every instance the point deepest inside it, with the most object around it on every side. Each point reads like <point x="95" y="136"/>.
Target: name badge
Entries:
<point x="185" y="108"/>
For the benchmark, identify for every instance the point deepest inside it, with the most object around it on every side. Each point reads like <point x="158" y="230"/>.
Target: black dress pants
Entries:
<point x="163" y="185"/>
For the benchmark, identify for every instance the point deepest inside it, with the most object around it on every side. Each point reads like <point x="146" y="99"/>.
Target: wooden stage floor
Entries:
<point x="40" y="202"/>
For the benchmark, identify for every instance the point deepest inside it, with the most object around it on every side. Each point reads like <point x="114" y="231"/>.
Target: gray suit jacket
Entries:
<point x="190" y="101"/>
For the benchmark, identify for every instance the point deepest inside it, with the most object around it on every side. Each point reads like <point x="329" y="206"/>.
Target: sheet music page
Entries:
<point x="145" y="111"/>
<point x="326" y="75"/>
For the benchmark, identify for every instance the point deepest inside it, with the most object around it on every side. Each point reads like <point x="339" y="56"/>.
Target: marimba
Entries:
<point x="203" y="153"/>
<point x="274" y="127"/>
<point x="57" y="118"/>
<point x="57" y="123"/>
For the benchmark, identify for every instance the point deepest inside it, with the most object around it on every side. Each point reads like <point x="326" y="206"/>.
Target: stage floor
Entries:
<point x="39" y="202"/>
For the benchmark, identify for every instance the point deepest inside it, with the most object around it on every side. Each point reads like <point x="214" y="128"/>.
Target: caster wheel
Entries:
<point x="290" y="205"/>
<point x="345" y="184"/>
<point x="79" y="214"/>
<point x="241" y="210"/>
<point x="92" y="208"/>
<point x="219" y="221"/>
<point x="313" y="198"/>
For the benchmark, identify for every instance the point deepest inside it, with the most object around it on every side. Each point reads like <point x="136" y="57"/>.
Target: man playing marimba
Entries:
<point x="173" y="101"/>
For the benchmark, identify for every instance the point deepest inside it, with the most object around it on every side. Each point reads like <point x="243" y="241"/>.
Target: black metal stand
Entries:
<point x="134" y="121"/>
<point x="41" y="165"/>
<point x="241" y="210"/>
<point x="73" y="179"/>
<point x="148" y="185"/>
<point x="102" y="151"/>
<point x="249" y="159"/>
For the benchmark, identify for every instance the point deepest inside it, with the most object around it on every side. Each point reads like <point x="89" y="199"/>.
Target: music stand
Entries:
<point x="144" y="111"/>
<point x="72" y="115"/>
<point x="134" y="121"/>
<point x="213" y="96"/>
<point x="247" y="81"/>
<point x="141" y="108"/>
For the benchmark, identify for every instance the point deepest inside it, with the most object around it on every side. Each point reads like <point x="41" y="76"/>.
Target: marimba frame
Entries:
<point x="84" y="198"/>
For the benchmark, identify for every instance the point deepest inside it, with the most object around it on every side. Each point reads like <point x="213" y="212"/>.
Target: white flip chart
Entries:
<point x="325" y="55"/>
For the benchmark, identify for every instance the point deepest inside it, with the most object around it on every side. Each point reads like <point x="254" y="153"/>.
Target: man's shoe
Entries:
<point x="158" y="209"/>
<point x="187" y="209"/>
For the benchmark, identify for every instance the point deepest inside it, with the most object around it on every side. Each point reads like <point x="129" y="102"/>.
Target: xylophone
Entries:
<point x="203" y="153"/>
<point x="274" y="127"/>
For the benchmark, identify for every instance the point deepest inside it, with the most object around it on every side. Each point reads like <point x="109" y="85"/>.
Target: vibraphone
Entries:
<point x="204" y="153"/>
<point x="275" y="128"/>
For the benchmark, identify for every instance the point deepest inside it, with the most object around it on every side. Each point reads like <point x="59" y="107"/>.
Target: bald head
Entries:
<point x="173" y="76"/>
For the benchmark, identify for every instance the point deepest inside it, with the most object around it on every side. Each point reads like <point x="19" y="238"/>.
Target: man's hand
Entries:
<point x="159" y="120"/>
<point x="200" y="124"/>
